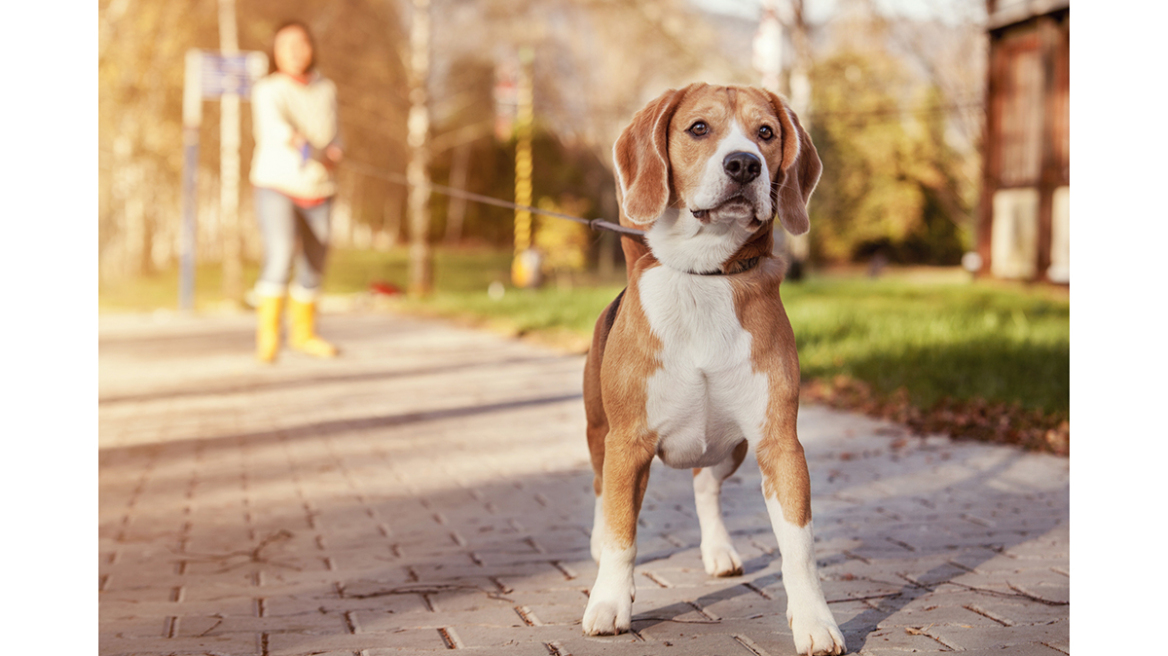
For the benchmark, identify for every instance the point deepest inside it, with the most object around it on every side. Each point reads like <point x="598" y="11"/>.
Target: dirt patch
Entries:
<point x="975" y="419"/>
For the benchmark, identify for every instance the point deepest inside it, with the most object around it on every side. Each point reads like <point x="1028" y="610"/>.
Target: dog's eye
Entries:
<point x="766" y="133"/>
<point x="698" y="129"/>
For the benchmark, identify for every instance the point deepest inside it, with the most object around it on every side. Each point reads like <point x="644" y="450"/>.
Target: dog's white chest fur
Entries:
<point x="706" y="397"/>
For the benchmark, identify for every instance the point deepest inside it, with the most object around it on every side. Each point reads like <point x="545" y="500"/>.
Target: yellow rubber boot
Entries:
<point x="302" y="330"/>
<point x="268" y="327"/>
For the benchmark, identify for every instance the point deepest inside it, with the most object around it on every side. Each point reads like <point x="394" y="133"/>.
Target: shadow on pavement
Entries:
<point x="448" y="505"/>
<point x="283" y="383"/>
<point x="506" y="559"/>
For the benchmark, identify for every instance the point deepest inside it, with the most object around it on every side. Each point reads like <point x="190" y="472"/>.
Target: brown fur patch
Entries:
<point x="634" y="249"/>
<point x="800" y="170"/>
<point x="624" y="355"/>
<point x="780" y="455"/>
<point x="593" y="403"/>
<point x="642" y="160"/>
<point x="758" y="246"/>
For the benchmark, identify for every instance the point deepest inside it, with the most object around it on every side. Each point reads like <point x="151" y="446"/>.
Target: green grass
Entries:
<point x="347" y="272"/>
<point x="160" y="290"/>
<point x="958" y="340"/>
<point x="935" y="336"/>
<point x="456" y="271"/>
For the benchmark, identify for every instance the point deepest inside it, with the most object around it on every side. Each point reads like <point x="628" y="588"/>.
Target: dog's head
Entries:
<point x="724" y="155"/>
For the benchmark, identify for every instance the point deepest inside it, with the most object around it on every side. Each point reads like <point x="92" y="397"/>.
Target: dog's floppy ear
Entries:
<point x="641" y="158"/>
<point x="799" y="172"/>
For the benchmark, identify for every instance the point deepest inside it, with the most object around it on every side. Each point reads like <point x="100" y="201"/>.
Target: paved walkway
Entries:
<point x="430" y="491"/>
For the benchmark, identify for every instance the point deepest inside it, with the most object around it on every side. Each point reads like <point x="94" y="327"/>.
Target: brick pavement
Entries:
<point x="430" y="491"/>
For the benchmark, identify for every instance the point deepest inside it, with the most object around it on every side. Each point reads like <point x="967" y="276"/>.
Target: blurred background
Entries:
<point x="895" y="93"/>
<point x="942" y="126"/>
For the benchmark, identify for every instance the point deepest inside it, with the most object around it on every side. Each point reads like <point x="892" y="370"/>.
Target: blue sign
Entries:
<point x="222" y="74"/>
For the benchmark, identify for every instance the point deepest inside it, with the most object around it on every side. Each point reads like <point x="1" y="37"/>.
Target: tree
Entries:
<point x="892" y="182"/>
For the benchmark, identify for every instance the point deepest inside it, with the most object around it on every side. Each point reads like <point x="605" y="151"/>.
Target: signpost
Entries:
<point x="209" y="76"/>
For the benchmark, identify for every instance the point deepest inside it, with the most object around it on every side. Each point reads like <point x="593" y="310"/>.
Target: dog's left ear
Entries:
<point x="798" y="173"/>
<point x="641" y="158"/>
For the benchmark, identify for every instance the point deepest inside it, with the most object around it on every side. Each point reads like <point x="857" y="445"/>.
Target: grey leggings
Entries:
<point x="281" y="223"/>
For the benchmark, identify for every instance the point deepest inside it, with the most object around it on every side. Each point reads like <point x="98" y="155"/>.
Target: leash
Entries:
<point x="594" y="224"/>
<point x="397" y="178"/>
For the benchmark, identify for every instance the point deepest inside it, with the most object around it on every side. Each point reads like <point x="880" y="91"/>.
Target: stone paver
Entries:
<point x="430" y="491"/>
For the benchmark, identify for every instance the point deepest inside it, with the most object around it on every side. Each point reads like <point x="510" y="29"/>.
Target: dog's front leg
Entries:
<point x="626" y="473"/>
<point x="787" y="489"/>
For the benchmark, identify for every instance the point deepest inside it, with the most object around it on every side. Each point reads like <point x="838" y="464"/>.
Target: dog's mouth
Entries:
<point x="732" y="209"/>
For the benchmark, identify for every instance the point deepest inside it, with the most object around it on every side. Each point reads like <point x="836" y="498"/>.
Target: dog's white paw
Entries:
<point x="817" y="633"/>
<point x="610" y="604"/>
<point x="608" y="616"/>
<point x="721" y="559"/>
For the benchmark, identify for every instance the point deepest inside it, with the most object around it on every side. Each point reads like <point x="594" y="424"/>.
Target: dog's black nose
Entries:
<point x="742" y="167"/>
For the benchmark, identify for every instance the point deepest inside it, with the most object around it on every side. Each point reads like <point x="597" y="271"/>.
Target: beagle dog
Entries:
<point x="695" y="360"/>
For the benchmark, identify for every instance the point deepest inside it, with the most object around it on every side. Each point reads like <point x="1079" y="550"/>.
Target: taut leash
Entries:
<point x="397" y="178"/>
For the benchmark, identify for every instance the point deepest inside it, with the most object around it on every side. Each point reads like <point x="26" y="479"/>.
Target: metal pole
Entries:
<point x="418" y="169"/>
<point x="229" y="164"/>
<point x="192" y="119"/>
<point x="186" y="292"/>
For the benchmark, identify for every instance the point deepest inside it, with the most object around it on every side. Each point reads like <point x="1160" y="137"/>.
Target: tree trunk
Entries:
<point x="456" y="208"/>
<point x="418" y="169"/>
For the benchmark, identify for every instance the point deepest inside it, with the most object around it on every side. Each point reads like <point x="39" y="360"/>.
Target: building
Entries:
<point x="1024" y="227"/>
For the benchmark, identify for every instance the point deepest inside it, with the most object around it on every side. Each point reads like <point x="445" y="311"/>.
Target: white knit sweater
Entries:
<point x="281" y="105"/>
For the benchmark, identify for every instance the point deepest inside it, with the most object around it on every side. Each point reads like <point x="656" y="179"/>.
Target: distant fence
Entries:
<point x="141" y="220"/>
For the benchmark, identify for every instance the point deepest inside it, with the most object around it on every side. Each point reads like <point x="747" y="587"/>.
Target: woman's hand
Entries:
<point x="332" y="156"/>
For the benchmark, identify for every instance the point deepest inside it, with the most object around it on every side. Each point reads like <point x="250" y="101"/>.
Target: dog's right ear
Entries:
<point x="641" y="158"/>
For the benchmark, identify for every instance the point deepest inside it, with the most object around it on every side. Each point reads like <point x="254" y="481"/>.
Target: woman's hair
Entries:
<point x="283" y="26"/>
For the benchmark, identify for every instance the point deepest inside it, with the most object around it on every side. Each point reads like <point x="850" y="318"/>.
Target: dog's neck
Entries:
<point x="682" y="242"/>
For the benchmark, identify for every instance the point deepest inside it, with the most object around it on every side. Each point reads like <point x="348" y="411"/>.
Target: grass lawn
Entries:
<point x="962" y="340"/>
<point x="931" y="340"/>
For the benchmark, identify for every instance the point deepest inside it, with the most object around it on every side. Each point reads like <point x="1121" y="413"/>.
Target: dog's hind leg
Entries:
<point x="596" y="435"/>
<point x="597" y="432"/>
<point x="718" y="554"/>
<point x="597" y="419"/>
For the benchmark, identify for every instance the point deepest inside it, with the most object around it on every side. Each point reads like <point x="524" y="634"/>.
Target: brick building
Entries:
<point x="1024" y="227"/>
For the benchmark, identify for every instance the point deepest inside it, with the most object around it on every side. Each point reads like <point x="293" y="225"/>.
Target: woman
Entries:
<point x="297" y="148"/>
